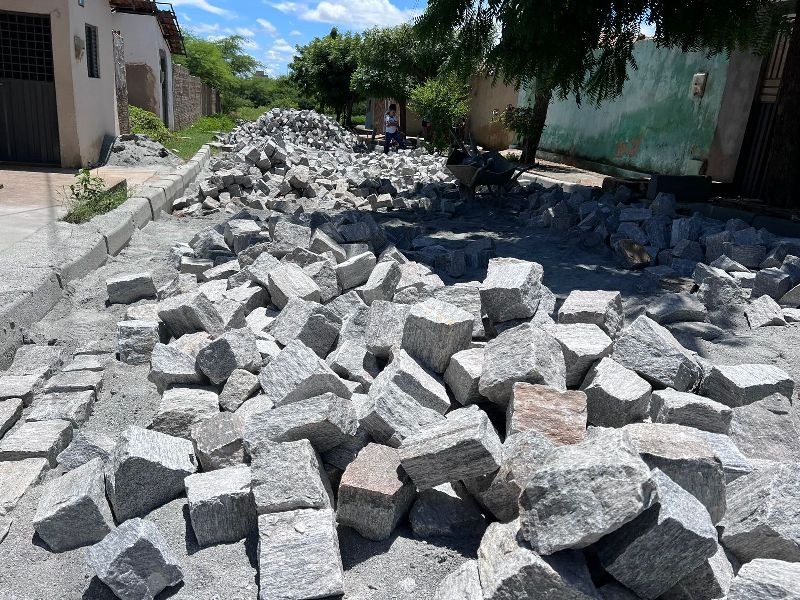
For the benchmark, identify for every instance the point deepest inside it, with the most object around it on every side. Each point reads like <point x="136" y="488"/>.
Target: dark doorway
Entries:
<point x="164" y="88"/>
<point x="28" y="113"/>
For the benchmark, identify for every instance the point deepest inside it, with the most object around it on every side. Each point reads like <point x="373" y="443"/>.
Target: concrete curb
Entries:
<point x="36" y="270"/>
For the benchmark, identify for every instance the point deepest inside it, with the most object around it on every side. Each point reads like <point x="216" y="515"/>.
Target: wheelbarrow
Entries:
<point x="489" y="169"/>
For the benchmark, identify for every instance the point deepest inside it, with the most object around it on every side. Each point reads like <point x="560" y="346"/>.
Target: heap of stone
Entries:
<point x="312" y="374"/>
<point x="301" y="161"/>
<point x="137" y="150"/>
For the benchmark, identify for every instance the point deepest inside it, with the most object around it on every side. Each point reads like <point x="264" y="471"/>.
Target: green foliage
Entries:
<point x="271" y="92"/>
<point x="146" y="123"/>
<point x="88" y="197"/>
<point x="445" y="101"/>
<point x="323" y="69"/>
<point x="188" y="141"/>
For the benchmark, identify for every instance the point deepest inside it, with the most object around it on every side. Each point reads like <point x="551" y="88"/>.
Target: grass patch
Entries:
<point x="186" y="142"/>
<point x="88" y="197"/>
<point x="249" y="113"/>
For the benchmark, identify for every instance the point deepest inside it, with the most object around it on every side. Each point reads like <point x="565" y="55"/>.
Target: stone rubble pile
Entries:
<point x="136" y="150"/>
<point x="311" y="374"/>
<point x="301" y="161"/>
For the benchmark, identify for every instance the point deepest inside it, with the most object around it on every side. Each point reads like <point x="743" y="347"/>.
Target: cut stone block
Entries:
<point x="298" y="555"/>
<point x="221" y="506"/>
<point x="416" y="381"/>
<point x="382" y="282"/>
<point x="462" y="584"/>
<point x="73" y="510"/>
<point x="711" y="579"/>
<point x="86" y="446"/>
<point x="287" y="281"/>
<point x="233" y="350"/>
<point x="19" y="386"/>
<point x="446" y="511"/>
<point x="74" y="381"/>
<point x="673" y="308"/>
<point x="463" y="375"/>
<point x="128" y="288"/>
<point x="464" y="445"/>
<point x="768" y="429"/>
<point x="145" y="470"/>
<point x="771" y="282"/>
<point x="653" y="352"/>
<point x="764" y="579"/>
<point x="385" y="326"/>
<point x="683" y="408"/>
<point x="582" y="345"/>
<point x="764" y="311"/>
<point x="583" y="492"/>
<point x="601" y="308"/>
<point x="615" y="395"/>
<point x="36" y="439"/>
<point x="507" y="566"/>
<point x="169" y="365"/>
<point x="663" y="545"/>
<point x="322" y="242"/>
<point x="560" y="416"/>
<point x="218" y="441"/>
<point x="326" y="421"/>
<point x="739" y="385"/>
<point x="240" y="386"/>
<point x="135" y="561"/>
<point x="434" y="331"/>
<point x="354" y="362"/>
<point x="297" y="373"/>
<point x="181" y="408"/>
<point x="512" y="289"/>
<point x="288" y="476"/>
<point x="356" y="270"/>
<point x="10" y="412"/>
<point x="310" y="322"/>
<point x="466" y="296"/>
<point x="375" y="493"/>
<point x="88" y="362"/>
<point x="36" y="359"/>
<point x="323" y="274"/>
<point x="525" y="354"/>
<point x="189" y="313"/>
<point x="16" y="476"/>
<point x="685" y="458"/>
<point x="762" y="519"/>
<point x="734" y="463"/>
<point x="74" y="407"/>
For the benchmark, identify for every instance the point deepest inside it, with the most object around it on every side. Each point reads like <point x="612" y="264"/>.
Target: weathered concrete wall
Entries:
<point x="144" y="46"/>
<point x="87" y="110"/>
<point x="486" y="98"/>
<point x="121" y="81"/>
<point x="657" y="125"/>
<point x="187" y="97"/>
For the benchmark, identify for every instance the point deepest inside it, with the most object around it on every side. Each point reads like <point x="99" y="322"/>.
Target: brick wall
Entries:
<point x="187" y="96"/>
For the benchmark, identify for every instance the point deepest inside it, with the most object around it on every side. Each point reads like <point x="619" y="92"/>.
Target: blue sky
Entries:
<point x="273" y="28"/>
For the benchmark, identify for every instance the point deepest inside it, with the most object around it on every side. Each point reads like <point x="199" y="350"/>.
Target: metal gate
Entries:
<point x="28" y="113"/>
<point x="753" y="164"/>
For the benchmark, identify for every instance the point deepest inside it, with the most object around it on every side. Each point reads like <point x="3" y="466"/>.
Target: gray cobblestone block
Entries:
<point x="240" y="386"/>
<point x="764" y="579"/>
<point x="36" y="359"/>
<point x="582" y="492"/>
<point x="36" y="439"/>
<point x="135" y="561"/>
<point x="385" y="325"/>
<point x="130" y="287"/>
<point x="463" y="375"/>
<point x="20" y="386"/>
<point x="739" y="385"/>
<point x="582" y="344"/>
<point x="750" y="255"/>
<point x="352" y="361"/>
<point x="218" y="441"/>
<point x="663" y="545"/>
<point x="683" y="408"/>
<point x="356" y="270"/>
<point x="464" y="445"/>
<point x="297" y="373"/>
<point x="512" y="289"/>
<point x="287" y="280"/>
<point x="189" y="313"/>
<point x="444" y="511"/>
<point x="73" y="510"/>
<point x="16" y="476"/>
<point x="85" y="446"/>
<point x="764" y="311"/>
<point x="673" y="308"/>
<point x="74" y="381"/>
<point x="711" y="579"/>
<point x="235" y="349"/>
<point x="771" y="282"/>
<point x="523" y="353"/>
<point x="434" y="331"/>
<point x="374" y="493"/>
<point x="462" y="584"/>
<point x="146" y="469"/>
<point x="74" y="407"/>
<point x="182" y="407"/>
<point x="310" y="322"/>
<point x="466" y="296"/>
<point x="382" y="282"/>
<point x="416" y="381"/>
<point x="169" y="365"/>
<point x="299" y="556"/>
<point x="734" y="463"/>
<point x="10" y="412"/>
<point x="221" y="505"/>
<point x="601" y="308"/>
<point x="288" y="476"/>
<point x="323" y="274"/>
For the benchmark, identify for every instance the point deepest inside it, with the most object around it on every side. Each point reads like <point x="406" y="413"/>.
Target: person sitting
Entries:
<point x="391" y="129"/>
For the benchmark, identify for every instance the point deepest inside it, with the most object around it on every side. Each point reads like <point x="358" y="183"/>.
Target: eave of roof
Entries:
<point x="164" y="14"/>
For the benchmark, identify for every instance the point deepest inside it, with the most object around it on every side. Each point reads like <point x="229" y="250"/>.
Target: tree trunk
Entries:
<point x="783" y="162"/>
<point x="530" y="143"/>
<point x="401" y="105"/>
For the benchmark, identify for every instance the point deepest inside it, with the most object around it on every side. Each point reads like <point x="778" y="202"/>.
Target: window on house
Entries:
<point x="92" y="59"/>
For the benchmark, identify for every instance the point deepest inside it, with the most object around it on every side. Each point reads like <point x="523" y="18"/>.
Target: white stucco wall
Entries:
<point x="87" y="107"/>
<point x="143" y="41"/>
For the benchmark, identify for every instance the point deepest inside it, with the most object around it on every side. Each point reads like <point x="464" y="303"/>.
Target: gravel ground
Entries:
<point x="401" y="567"/>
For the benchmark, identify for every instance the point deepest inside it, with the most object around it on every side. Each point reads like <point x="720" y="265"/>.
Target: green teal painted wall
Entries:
<point x="655" y="126"/>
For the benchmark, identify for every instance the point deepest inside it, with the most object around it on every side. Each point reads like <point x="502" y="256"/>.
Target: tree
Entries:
<point x="323" y="69"/>
<point x="392" y="61"/>
<point x="445" y="101"/>
<point x="585" y="47"/>
<point x="270" y="92"/>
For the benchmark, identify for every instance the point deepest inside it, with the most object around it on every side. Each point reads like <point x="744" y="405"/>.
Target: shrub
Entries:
<point x="444" y="101"/>
<point x="88" y="197"/>
<point x="146" y="123"/>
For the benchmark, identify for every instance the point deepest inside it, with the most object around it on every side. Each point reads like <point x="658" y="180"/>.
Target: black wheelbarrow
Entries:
<point x="489" y="169"/>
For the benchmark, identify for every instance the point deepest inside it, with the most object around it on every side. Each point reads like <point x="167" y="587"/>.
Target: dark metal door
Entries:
<point x="28" y="113"/>
<point x="753" y="162"/>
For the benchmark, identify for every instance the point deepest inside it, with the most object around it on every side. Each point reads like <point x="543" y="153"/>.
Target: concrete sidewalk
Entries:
<point x="31" y="197"/>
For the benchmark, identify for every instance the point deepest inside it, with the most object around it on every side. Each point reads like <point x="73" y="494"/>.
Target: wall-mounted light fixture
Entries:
<point x="81" y="2"/>
<point x="699" y="84"/>
<point x="80" y="46"/>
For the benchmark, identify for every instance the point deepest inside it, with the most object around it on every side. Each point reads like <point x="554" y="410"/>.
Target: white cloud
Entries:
<point x="244" y="32"/>
<point x="185" y="17"/>
<point x="282" y="46"/>
<point x="358" y="14"/>
<point x="206" y="6"/>
<point x="251" y="45"/>
<point x="279" y="55"/>
<point x="267" y="26"/>
<point x="295" y="33"/>
<point x="206" y="28"/>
